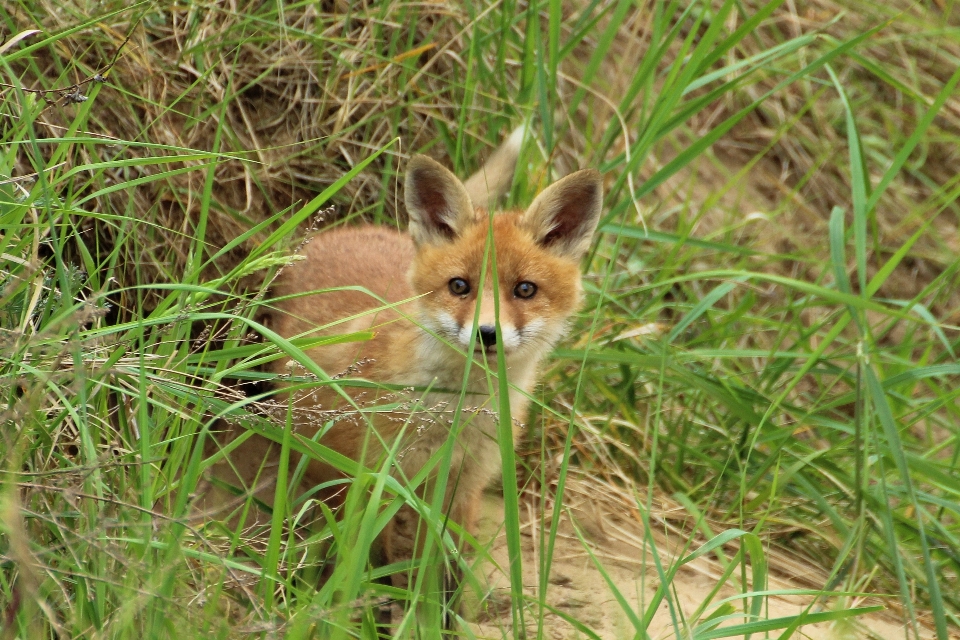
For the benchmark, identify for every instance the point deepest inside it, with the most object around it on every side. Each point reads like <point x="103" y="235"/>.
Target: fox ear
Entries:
<point x="564" y="216"/>
<point x="437" y="203"/>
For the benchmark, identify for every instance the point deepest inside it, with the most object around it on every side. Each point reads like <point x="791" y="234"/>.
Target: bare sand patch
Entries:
<point x="578" y="589"/>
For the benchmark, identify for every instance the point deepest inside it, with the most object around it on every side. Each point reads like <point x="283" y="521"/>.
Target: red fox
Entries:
<point x="443" y="314"/>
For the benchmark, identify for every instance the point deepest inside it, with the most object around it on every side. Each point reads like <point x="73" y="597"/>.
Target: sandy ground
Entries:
<point x="577" y="588"/>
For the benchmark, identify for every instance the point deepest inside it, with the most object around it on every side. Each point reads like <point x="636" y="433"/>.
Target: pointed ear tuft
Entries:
<point x="438" y="205"/>
<point x="564" y="217"/>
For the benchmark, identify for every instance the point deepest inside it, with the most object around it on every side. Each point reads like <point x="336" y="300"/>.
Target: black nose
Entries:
<point x="488" y="335"/>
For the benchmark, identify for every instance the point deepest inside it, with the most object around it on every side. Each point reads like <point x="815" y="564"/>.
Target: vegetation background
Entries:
<point x="765" y="367"/>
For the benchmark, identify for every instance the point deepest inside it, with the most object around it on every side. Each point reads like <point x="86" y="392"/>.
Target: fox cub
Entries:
<point x="441" y="313"/>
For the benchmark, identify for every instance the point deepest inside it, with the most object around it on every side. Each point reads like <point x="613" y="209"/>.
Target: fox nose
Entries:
<point x="488" y="335"/>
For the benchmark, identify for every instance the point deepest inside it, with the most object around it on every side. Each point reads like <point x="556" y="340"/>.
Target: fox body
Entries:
<point x="433" y="306"/>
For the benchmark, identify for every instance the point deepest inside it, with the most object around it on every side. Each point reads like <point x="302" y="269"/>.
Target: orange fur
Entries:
<point x="422" y="341"/>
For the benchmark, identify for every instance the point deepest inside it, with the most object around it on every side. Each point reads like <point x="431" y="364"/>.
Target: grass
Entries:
<point x="769" y="339"/>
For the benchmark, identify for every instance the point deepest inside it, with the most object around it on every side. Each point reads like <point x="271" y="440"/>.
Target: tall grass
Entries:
<point x="792" y="385"/>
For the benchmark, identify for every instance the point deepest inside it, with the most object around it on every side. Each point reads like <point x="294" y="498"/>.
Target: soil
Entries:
<point x="578" y="589"/>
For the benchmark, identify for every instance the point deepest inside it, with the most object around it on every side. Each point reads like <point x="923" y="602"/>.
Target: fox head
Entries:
<point x="537" y="255"/>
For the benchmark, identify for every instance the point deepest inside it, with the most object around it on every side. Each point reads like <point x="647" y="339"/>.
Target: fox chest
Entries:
<point x="465" y="428"/>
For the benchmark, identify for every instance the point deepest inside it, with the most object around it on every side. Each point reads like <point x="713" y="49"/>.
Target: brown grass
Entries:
<point x="302" y="111"/>
<point x="296" y="113"/>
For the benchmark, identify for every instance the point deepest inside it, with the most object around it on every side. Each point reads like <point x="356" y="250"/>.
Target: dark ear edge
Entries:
<point x="565" y="215"/>
<point x="437" y="203"/>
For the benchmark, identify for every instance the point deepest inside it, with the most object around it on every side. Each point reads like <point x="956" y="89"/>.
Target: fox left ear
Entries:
<point x="437" y="202"/>
<point x="565" y="215"/>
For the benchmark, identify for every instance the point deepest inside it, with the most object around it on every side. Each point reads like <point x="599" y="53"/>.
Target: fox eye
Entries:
<point x="525" y="290"/>
<point x="459" y="286"/>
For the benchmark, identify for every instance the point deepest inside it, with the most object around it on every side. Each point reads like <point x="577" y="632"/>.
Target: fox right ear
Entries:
<point x="437" y="202"/>
<point x="565" y="215"/>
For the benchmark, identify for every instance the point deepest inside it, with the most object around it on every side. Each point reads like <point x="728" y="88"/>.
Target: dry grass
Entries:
<point x="293" y="114"/>
<point x="292" y="98"/>
<point x="299" y="112"/>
